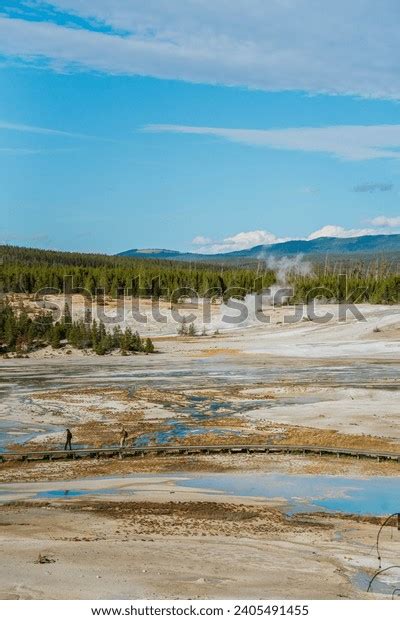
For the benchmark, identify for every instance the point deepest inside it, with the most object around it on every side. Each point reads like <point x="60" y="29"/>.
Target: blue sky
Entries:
<point x="197" y="126"/>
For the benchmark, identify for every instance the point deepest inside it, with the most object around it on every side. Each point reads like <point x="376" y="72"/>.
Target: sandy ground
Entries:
<point x="332" y="384"/>
<point x="182" y="544"/>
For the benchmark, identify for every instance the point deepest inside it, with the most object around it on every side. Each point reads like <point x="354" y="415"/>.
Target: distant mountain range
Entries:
<point x="368" y="244"/>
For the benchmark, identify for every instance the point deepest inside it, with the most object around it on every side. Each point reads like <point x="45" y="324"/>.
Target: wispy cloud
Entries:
<point x="351" y="142"/>
<point x="18" y="151"/>
<point x="48" y="131"/>
<point x="20" y="127"/>
<point x="308" y="189"/>
<point x="386" y="222"/>
<point x="371" y="188"/>
<point x="277" y="45"/>
<point x="39" y="151"/>
<point x="7" y="237"/>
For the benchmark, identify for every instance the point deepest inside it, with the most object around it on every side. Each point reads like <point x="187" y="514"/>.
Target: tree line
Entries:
<point x="363" y="279"/>
<point x="26" y="270"/>
<point x="351" y="287"/>
<point x="22" y="333"/>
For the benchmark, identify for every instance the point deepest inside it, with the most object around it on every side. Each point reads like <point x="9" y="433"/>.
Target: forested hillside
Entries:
<point x="29" y="270"/>
<point x="25" y="270"/>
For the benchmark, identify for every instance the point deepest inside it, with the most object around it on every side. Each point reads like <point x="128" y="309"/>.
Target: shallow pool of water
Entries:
<point x="191" y="420"/>
<point x="72" y="493"/>
<point x="305" y="493"/>
<point x="302" y="493"/>
<point x="13" y="432"/>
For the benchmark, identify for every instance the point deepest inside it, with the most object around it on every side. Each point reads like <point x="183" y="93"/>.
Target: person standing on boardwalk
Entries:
<point x="68" y="441"/>
<point x="123" y="437"/>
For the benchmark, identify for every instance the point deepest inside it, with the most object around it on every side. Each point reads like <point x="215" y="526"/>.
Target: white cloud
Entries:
<point x="240" y="241"/>
<point x="339" y="231"/>
<point x="200" y="240"/>
<point x="386" y="222"/>
<point x="350" y="142"/>
<point x="255" y="237"/>
<point x="308" y="45"/>
<point x="249" y="239"/>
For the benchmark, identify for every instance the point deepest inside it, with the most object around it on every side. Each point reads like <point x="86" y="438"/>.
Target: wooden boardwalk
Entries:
<point x="169" y="450"/>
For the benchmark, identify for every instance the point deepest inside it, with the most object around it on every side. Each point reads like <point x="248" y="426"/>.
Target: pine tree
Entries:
<point x="183" y="328"/>
<point x="56" y="335"/>
<point x="67" y="318"/>
<point x="149" y="346"/>
<point x="101" y="347"/>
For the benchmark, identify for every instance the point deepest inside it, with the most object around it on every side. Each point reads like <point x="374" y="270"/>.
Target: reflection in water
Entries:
<point x="302" y="493"/>
<point x="305" y="493"/>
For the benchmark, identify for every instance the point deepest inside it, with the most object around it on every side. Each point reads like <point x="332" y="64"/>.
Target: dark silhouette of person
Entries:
<point x="123" y="437"/>
<point x="68" y="441"/>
